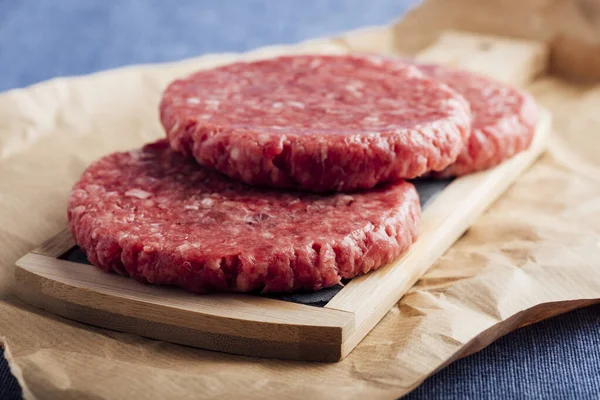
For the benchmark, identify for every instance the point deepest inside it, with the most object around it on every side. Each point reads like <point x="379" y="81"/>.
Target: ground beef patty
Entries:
<point x="504" y="119"/>
<point x="159" y="217"/>
<point x="319" y="123"/>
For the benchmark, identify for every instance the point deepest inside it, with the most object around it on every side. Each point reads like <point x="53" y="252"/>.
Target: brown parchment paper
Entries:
<point x="534" y="254"/>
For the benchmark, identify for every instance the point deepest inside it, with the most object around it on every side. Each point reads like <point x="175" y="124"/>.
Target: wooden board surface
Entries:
<point x="259" y="326"/>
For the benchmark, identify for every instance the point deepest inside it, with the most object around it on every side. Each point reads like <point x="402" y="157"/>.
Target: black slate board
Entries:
<point x="428" y="189"/>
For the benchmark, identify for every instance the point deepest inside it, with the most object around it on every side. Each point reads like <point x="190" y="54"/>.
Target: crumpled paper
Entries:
<point x="532" y="255"/>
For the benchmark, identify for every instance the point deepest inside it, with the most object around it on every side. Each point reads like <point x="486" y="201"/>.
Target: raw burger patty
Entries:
<point x="320" y="123"/>
<point x="504" y="119"/>
<point x="157" y="216"/>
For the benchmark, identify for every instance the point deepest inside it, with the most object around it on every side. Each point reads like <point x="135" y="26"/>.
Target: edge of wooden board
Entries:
<point x="233" y="323"/>
<point x="371" y="296"/>
<point x="57" y="245"/>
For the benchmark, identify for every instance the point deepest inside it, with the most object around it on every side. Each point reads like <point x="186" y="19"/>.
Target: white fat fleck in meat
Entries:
<point x="205" y="116"/>
<point x="344" y="200"/>
<point x="143" y="180"/>
<point x="193" y="100"/>
<point x="93" y="188"/>
<point x="413" y="72"/>
<point x="324" y="153"/>
<point x="78" y="210"/>
<point x="355" y="90"/>
<point x="193" y="207"/>
<point x="371" y="118"/>
<point x="459" y="111"/>
<point x="428" y="131"/>
<point x="480" y="136"/>
<point x="207" y="203"/>
<point x="253" y="219"/>
<point x="354" y="139"/>
<point x="263" y="138"/>
<point x="268" y="235"/>
<point x="175" y="128"/>
<point x="214" y="265"/>
<point x="314" y="64"/>
<point x="376" y="60"/>
<point x="296" y="104"/>
<point x="383" y="145"/>
<point x="277" y="105"/>
<point x="154" y="228"/>
<point x="139" y="193"/>
<point x="235" y="154"/>
<point x="314" y="207"/>
<point x="184" y="247"/>
<point x="212" y="104"/>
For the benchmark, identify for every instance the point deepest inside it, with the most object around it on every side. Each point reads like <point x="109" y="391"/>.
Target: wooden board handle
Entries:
<point x="514" y="61"/>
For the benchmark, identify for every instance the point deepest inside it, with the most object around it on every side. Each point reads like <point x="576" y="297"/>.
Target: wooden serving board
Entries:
<point x="321" y="326"/>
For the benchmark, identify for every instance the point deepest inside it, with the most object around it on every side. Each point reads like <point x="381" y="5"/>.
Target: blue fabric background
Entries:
<point x="41" y="39"/>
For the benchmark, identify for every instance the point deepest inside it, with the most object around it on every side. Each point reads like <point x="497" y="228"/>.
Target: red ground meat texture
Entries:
<point x="159" y="217"/>
<point x="504" y="119"/>
<point x="320" y="123"/>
